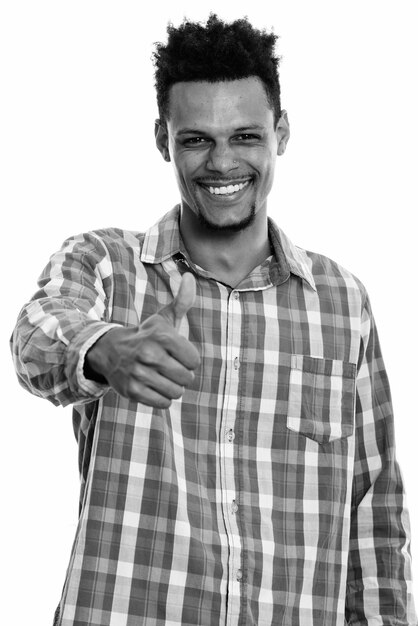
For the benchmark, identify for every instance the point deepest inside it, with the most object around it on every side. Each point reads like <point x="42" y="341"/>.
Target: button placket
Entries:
<point x="233" y="334"/>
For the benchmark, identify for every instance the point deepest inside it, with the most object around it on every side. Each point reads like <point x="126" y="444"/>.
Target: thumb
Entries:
<point x="183" y="301"/>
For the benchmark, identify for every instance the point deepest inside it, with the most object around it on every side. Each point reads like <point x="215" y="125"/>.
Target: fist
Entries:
<point x="152" y="363"/>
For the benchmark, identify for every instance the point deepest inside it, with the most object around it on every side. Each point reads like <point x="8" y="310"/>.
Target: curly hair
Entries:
<point x="216" y="52"/>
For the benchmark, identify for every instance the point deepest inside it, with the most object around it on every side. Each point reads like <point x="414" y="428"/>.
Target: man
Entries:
<point x="231" y="405"/>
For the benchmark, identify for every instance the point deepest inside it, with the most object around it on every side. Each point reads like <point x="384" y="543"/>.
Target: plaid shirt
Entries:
<point x="269" y="493"/>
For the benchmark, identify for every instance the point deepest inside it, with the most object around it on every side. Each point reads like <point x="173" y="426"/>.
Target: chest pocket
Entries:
<point x="321" y="398"/>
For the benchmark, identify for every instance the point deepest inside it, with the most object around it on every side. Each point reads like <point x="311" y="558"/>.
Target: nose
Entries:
<point x="221" y="159"/>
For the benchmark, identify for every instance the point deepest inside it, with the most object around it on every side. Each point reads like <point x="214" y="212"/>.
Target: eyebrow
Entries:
<point x="195" y="131"/>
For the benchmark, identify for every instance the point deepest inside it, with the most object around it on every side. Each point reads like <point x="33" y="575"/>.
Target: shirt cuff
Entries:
<point x="82" y="387"/>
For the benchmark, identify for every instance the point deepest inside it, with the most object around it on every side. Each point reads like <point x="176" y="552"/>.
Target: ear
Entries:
<point x="282" y="133"/>
<point x="161" y="139"/>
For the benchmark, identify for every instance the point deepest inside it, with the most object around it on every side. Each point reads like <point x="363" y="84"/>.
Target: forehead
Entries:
<point x="211" y="106"/>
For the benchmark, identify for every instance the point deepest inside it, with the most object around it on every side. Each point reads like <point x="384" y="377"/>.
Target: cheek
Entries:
<point x="186" y="166"/>
<point x="267" y="178"/>
<point x="271" y="165"/>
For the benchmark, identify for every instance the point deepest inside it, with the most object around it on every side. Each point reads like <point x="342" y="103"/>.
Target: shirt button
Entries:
<point x="230" y="435"/>
<point x="234" y="507"/>
<point x="236" y="295"/>
<point x="239" y="574"/>
<point x="236" y="363"/>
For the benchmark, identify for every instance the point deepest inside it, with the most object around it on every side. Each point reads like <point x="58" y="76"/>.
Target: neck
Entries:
<point x="228" y="255"/>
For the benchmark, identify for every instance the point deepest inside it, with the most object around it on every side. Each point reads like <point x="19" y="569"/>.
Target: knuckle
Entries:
<point x="138" y="371"/>
<point x="164" y="335"/>
<point x="133" y="389"/>
<point x="189" y="376"/>
<point x="148" y="353"/>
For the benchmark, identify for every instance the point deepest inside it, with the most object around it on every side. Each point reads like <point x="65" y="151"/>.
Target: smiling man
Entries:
<point x="231" y="406"/>
<point x="223" y="138"/>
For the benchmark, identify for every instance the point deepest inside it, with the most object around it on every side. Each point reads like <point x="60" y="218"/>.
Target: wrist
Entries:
<point x="91" y="366"/>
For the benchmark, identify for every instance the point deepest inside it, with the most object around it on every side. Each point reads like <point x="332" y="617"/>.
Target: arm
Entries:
<point x="379" y="565"/>
<point x="65" y="317"/>
<point x="66" y="350"/>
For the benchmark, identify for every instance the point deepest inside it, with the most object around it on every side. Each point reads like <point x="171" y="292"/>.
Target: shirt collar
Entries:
<point x="296" y="259"/>
<point x="162" y="241"/>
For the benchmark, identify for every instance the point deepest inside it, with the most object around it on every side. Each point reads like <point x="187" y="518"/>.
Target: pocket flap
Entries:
<point x="321" y="397"/>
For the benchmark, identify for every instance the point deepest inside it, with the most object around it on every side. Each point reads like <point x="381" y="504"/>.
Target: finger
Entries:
<point x="182" y="302"/>
<point x="183" y="351"/>
<point x="141" y="393"/>
<point x="152" y="379"/>
<point x="173" y="370"/>
<point x="185" y="297"/>
<point x="167" y="344"/>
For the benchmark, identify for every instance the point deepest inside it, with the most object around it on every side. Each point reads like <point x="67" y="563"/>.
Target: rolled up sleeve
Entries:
<point x="65" y="317"/>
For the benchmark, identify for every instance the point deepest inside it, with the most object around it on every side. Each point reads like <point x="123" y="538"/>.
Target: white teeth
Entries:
<point x="223" y="191"/>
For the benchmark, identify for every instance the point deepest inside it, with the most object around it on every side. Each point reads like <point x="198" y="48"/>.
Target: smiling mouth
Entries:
<point x="224" y="190"/>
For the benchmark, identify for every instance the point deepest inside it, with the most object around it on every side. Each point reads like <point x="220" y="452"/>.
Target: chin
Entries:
<point x="228" y="227"/>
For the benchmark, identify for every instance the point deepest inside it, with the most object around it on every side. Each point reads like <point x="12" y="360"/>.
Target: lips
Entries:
<point x="225" y="189"/>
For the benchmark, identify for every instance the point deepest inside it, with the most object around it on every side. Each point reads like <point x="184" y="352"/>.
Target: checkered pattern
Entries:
<point x="269" y="493"/>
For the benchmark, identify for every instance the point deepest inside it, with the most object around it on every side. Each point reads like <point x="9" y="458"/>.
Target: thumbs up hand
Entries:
<point x="152" y="363"/>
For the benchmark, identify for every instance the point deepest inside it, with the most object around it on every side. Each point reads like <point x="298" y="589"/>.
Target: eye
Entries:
<point x="195" y="141"/>
<point x="247" y="137"/>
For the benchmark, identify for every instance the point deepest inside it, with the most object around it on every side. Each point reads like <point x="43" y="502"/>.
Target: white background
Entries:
<point x="77" y="152"/>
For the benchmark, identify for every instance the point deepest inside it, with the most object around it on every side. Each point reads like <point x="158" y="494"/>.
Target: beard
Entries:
<point x="233" y="227"/>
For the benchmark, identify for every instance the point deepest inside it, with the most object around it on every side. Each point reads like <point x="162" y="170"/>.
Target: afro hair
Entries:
<point x="215" y="52"/>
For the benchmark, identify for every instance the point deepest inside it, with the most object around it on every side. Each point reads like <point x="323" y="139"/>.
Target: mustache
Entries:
<point x="218" y="179"/>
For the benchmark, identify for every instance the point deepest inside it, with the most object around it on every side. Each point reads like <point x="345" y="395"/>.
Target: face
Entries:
<point x="223" y="144"/>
